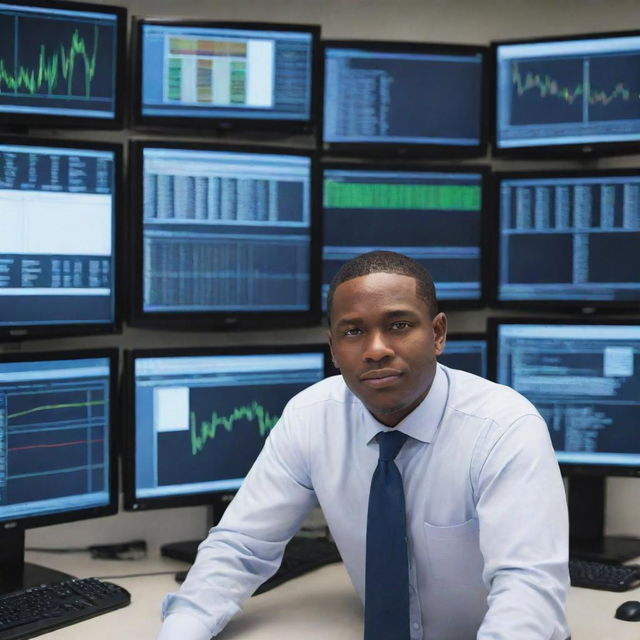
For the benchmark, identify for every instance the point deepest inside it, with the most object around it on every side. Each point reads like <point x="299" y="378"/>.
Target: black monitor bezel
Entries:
<point x="218" y="320"/>
<point x="29" y="331"/>
<point x="131" y="502"/>
<point x="17" y="121"/>
<point x="577" y="151"/>
<point x="403" y="165"/>
<point x="396" y="149"/>
<point x="111" y="508"/>
<point x="584" y="307"/>
<point x="493" y="325"/>
<point x="224" y="124"/>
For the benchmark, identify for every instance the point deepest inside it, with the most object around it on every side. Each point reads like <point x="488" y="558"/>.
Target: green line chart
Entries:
<point x="207" y="430"/>
<point x="58" y="64"/>
<point x="547" y="86"/>
<point x="55" y="67"/>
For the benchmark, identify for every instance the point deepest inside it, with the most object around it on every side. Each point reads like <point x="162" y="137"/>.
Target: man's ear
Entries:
<point x="333" y="357"/>
<point x="439" y="325"/>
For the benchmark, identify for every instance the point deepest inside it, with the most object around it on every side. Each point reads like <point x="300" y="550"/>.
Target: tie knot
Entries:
<point x="390" y="443"/>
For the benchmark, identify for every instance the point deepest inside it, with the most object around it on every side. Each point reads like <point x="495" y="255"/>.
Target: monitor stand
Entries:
<point x="587" y="521"/>
<point x="17" y="574"/>
<point x="185" y="550"/>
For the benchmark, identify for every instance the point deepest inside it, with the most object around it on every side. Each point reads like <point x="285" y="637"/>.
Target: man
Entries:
<point x="486" y="524"/>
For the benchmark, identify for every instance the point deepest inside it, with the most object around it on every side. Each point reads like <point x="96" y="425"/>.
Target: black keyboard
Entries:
<point x="300" y="556"/>
<point x="37" y="610"/>
<point x="601" y="575"/>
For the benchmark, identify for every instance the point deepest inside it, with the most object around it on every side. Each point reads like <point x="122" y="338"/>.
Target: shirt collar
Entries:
<point x="422" y="423"/>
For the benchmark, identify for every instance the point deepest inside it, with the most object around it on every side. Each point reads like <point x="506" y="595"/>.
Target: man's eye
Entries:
<point x="353" y="332"/>
<point x="400" y="325"/>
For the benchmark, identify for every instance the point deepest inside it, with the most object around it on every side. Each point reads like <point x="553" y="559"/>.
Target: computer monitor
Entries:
<point x="226" y="75"/>
<point x="197" y="419"/>
<point x="404" y="98"/>
<point x="225" y="237"/>
<point x="58" y="463"/>
<point x="60" y="207"/>
<point x="584" y="379"/>
<point x="62" y="64"/>
<point x="432" y="214"/>
<point x="568" y="239"/>
<point x="577" y="95"/>
<point x="467" y="352"/>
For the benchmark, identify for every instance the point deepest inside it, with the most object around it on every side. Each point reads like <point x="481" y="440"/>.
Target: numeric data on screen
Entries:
<point x="54" y="436"/>
<point x="570" y="238"/>
<point x="204" y="72"/>
<point x="57" y="62"/>
<point x="585" y="382"/>
<point x="568" y="92"/>
<point x="201" y="421"/>
<point x="225" y="231"/>
<point x="402" y="97"/>
<point x="57" y="215"/>
<point x="433" y="217"/>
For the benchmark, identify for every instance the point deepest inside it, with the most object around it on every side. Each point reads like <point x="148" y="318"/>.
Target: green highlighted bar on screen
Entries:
<point x="360" y="195"/>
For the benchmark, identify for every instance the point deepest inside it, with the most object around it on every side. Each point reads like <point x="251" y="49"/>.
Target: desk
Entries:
<point x="317" y="606"/>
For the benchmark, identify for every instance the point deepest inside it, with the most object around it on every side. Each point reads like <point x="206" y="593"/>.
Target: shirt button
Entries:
<point x="416" y="626"/>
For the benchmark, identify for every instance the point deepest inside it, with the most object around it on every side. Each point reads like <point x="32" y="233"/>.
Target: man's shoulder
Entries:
<point x="331" y="390"/>
<point x="475" y="396"/>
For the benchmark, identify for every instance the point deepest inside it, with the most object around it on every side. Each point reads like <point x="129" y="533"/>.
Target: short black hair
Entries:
<point x="386" y="262"/>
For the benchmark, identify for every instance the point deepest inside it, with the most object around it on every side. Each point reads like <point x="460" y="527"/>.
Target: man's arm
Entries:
<point x="246" y="547"/>
<point x="522" y="512"/>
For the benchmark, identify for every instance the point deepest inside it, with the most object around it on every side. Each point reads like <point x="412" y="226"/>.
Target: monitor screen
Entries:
<point x="56" y="432"/>
<point x="62" y="64"/>
<point x="58" y="215"/>
<point x="585" y="381"/>
<point x="58" y="458"/>
<point x="225" y="236"/>
<point x="404" y="97"/>
<point x="434" y="216"/>
<point x="580" y="94"/>
<point x="192" y="74"/>
<point x="466" y="352"/>
<point x="586" y="226"/>
<point x="199" y="419"/>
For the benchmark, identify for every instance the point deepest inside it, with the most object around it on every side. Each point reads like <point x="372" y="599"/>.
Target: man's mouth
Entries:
<point x="380" y="377"/>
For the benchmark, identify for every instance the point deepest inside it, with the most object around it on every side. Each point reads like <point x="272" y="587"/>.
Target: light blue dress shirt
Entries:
<point x="486" y="512"/>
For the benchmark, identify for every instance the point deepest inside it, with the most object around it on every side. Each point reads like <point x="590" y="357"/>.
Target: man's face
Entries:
<point x="385" y="343"/>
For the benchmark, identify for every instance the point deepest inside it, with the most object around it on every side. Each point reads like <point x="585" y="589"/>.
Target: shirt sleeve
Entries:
<point x="524" y="537"/>
<point x="247" y="546"/>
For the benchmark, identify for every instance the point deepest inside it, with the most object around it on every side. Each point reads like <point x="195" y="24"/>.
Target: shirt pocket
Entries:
<point x="453" y="555"/>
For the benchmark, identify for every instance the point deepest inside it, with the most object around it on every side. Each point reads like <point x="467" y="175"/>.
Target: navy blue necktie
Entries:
<point x="386" y="609"/>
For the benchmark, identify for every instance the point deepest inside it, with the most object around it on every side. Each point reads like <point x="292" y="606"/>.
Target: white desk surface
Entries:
<point x="319" y="605"/>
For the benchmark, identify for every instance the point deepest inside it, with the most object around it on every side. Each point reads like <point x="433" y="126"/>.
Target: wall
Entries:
<point x="460" y="21"/>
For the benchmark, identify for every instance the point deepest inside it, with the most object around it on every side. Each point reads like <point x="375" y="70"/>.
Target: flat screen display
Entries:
<point x="403" y="97"/>
<point x="195" y="73"/>
<point x="585" y="381"/>
<point x="56" y="437"/>
<point x="199" y="420"/>
<point x="58" y="215"/>
<point x="225" y="235"/>
<point x="569" y="239"/>
<point x="580" y="93"/>
<point x="433" y="216"/>
<point x="466" y="352"/>
<point x="61" y="64"/>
